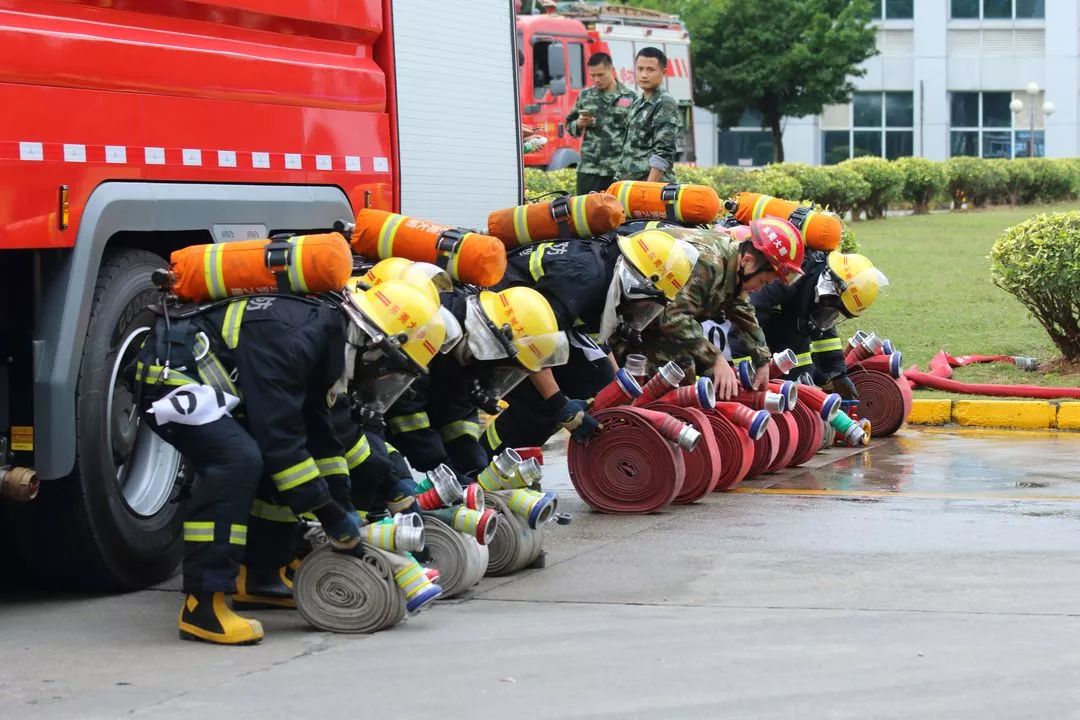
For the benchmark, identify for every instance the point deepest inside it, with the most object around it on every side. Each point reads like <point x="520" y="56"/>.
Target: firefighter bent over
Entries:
<point x="277" y="363"/>
<point x="593" y="286"/>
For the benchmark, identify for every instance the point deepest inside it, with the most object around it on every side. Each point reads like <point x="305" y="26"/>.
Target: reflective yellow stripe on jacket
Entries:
<point x="536" y="260"/>
<point x="409" y="423"/>
<point x="828" y="345"/>
<point x="295" y="475"/>
<point x="358" y="453"/>
<point x="461" y="428"/>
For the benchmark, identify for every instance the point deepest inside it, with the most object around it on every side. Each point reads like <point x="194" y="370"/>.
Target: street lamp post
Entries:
<point x="1017" y="106"/>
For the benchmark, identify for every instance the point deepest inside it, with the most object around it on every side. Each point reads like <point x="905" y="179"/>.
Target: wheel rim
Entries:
<point x="146" y="466"/>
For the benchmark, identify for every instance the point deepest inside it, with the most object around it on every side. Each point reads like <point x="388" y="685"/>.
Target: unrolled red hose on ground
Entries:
<point x="940" y="378"/>
<point x="788" y="431"/>
<point x="883" y="400"/>
<point x="810" y="430"/>
<point x="736" y="450"/>
<point x="626" y="466"/>
<point x="766" y="449"/>
<point x="704" y="462"/>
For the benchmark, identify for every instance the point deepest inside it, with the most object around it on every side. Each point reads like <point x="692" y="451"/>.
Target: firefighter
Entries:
<point x="508" y="334"/>
<point x="803" y="316"/>
<point x="732" y="263"/>
<point x="243" y="389"/>
<point x="606" y="288"/>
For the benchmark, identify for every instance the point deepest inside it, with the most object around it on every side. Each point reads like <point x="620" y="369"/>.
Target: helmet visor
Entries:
<point x="504" y="378"/>
<point x="454" y="333"/>
<point x="537" y="352"/>
<point x="486" y="342"/>
<point x="634" y="285"/>
<point x="381" y="391"/>
<point x="640" y="313"/>
<point x="826" y="313"/>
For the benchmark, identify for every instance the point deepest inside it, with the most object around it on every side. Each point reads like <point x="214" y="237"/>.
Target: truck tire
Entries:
<point x="110" y="525"/>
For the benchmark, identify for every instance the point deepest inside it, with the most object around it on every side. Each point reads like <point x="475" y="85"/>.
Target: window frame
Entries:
<point x="882" y="11"/>
<point x="1038" y="138"/>
<point x="882" y="128"/>
<point x="982" y="13"/>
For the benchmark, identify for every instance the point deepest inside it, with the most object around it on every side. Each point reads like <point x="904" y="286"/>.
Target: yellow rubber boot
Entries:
<point x="207" y="617"/>
<point x="256" y="592"/>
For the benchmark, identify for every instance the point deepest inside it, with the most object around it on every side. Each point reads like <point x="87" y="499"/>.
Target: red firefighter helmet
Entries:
<point x="781" y="244"/>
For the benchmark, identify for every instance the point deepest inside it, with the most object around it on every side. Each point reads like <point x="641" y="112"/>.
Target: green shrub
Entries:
<point x="886" y="183"/>
<point x="975" y="181"/>
<point x="840" y="189"/>
<point x="538" y="182"/>
<point x="772" y="181"/>
<point x="1052" y="180"/>
<point x="924" y="180"/>
<point x="1038" y="261"/>
<point x="1019" y="180"/>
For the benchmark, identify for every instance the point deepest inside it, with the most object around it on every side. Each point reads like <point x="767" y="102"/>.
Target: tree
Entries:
<point x="782" y="58"/>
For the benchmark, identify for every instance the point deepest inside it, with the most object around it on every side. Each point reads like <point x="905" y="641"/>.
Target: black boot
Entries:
<point x="206" y="617"/>
<point x="263" y="589"/>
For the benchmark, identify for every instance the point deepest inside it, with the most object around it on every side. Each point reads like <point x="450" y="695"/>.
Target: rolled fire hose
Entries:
<point x="939" y="378"/>
<point x="736" y="451"/>
<point x="787" y="443"/>
<point x="626" y="466"/>
<point x="811" y="428"/>
<point x="704" y="462"/>
<point x="883" y="400"/>
<point x="460" y="559"/>
<point x="766" y="448"/>
<point x="337" y="592"/>
<point x="515" y="545"/>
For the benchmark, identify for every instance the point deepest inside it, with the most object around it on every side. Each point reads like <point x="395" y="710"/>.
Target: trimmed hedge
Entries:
<point x="1038" y="261"/>
<point x="868" y="186"/>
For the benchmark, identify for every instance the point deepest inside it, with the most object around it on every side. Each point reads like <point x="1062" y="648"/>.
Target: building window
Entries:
<point x="998" y="9"/>
<point x="746" y="144"/>
<point x="982" y="125"/>
<point x="876" y="123"/>
<point x="891" y="9"/>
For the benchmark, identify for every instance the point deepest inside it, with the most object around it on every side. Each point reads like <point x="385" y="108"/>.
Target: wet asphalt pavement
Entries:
<point x="936" y="574"/>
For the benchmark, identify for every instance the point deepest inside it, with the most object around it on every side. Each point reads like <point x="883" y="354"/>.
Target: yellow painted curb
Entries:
<point x="1068" y="416"/>
<point x="930" y="412"/>
<point x="1034" y="414"/>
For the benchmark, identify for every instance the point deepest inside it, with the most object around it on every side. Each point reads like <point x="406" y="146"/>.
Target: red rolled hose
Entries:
<point x="626" y="466"/>
<point x="736" y="450"/>
<point x="825" y="405"/>
<point x="939" y="378"/>
<point x="788" y="441"/>
<point x="883" y="400"/>
<point x="703" y="463"/>
<point x="766" y="448"/>
<point x="810" y="431"/>
<point x="892" y="365"/>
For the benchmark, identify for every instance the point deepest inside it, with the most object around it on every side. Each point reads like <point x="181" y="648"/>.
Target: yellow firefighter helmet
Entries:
<point x="662" y="261"/>
<point x="859" y="282"/>
<point x="517" y="322"/>
<point x="401" y="315"/>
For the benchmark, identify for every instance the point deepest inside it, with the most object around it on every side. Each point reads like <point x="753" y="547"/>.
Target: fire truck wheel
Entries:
<point x="110" y="525"/>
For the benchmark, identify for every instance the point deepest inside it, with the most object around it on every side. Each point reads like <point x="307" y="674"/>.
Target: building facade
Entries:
<point x="942" y="85"/>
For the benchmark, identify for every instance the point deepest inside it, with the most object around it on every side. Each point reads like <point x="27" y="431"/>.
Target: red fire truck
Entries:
<point x="132" y="128"/>
<point x="554" y="49"/>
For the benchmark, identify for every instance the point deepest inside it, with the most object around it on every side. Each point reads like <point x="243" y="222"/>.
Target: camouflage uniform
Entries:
<point x="708" y="295"/>
<point x="653" y="129"/>
<point x="602" y="143"/>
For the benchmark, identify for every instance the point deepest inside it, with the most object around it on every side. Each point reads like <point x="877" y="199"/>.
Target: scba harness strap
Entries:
<point x="278" y="253"/>
<point x="560" y="212"/>
<point x="669" y="195"/>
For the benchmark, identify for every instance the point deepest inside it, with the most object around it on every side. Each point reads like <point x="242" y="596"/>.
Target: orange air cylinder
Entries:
<point x="580" y="216"/>
<point x="689" y="204"/>
<point x="820" y="230"/>
<point x="469" y="257"/>
<point x="301" y="264"/>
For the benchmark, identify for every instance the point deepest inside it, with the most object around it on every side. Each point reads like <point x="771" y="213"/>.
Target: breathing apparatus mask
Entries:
<point x="632" y="304"/>
<point x="828" y="308"/>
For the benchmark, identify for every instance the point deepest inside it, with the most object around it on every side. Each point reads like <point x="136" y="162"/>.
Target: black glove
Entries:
<point x="573" y="416"/>
<point x="483" y="399"/>
<point x="842" y="386"/>
<point x="343" y="531"/>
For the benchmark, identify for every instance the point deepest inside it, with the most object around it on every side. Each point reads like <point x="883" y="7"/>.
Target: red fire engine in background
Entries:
<point x="554" y="47"/>
<point x="132" y="128"/>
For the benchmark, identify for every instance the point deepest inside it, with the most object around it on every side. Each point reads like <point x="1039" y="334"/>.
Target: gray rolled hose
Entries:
<point x="515" y="545"/>
<point x="340" y="593"/>
<point x="460" y="560"/>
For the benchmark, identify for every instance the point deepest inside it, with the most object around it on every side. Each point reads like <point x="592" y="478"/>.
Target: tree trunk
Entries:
<point x="777" y="138"/>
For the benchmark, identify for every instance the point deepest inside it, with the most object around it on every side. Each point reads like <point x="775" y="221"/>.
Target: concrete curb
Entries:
<point x="1026" y="414"/>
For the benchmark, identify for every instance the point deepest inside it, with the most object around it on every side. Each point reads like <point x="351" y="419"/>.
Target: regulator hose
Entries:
<point x="939" y="378"/>
<point x="736" y="450"/>
<point x="811" y="428"/>
<point x="703" y="463"/>
<point x="626" y="466"/>
<point x="883" y="400"/>
<point x="787" y="442"/>
<point x="766" y="448"/>
<point x="338" y="592"/>
<point x="459" y="558"/>
<point x="515" y="545"/>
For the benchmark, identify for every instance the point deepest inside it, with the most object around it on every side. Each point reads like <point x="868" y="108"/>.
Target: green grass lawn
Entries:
<point x="942" y="296"/>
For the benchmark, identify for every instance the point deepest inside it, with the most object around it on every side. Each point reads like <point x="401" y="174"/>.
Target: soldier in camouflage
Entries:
<point x="731" y="265"/>
<point x="648" y="152"/>
<point x="599" y="117"/>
